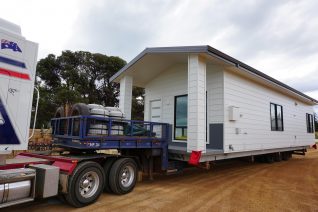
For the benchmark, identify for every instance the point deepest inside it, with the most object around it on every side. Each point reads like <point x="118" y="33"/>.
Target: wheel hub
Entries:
<point x="86" y="183"/>
<point x="127" y="176"/>
<point x="89" y="184"/>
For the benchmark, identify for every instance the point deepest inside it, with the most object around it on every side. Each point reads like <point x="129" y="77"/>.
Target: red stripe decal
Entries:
<point x="14" y="74"/>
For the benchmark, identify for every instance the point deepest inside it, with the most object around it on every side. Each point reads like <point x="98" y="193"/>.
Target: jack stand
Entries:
<point x="206" y="165"/>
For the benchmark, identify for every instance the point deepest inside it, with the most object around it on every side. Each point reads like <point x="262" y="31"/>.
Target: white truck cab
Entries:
<point x="18" y="58"/>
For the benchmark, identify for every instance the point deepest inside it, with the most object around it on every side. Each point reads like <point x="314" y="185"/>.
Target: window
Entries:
<point x="310" y="123"/>
<point x="180" y="117"/>
<point x="277" y="123"/>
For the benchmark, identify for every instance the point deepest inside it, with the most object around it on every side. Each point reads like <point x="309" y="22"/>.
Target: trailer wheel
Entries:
<point x="260" y="158"/>
<point x="269" y="158"/>
<point x="85" y="184"/>
<point x="123" y="176"/>
<point x="277" y="156"/>
<point x="107" y="166"/>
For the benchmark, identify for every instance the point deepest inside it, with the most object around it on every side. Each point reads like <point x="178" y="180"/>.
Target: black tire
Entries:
<point x="269" y="158"/>
<point x="74" y="196"/>
<point x="80" y="109"/>
<point x="285" y="156"/>
<point x="107" y="166"/>
<point x="260" y="158"/>
<point x="62" y="198"/>
<point x="59" y="112"/>
<point x="116" y="174"/>
<point x="277" y="156"/>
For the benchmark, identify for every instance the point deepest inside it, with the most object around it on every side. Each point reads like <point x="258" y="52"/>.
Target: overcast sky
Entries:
<point x="279" y="38"/>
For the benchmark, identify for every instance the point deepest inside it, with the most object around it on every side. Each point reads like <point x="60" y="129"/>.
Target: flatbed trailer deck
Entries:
<point x="163" y="142"/>
<point x="72" y="133"/>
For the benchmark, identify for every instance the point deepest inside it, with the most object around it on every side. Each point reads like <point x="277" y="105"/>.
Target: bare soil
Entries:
<point x="231" y="186"/>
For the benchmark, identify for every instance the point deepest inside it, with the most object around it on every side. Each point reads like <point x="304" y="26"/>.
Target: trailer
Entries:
<point x="82" y="171"/>
<point x="81" y="175"/>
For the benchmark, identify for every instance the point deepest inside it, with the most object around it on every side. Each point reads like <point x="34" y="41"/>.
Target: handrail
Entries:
<point x="36" y="111"/>
<point x="107" y="118"/>
<point x="83" y="126"/>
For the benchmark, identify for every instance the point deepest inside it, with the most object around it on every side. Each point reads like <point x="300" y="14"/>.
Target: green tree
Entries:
<point x="137" y="110"/>
<point x="80" y="77"/>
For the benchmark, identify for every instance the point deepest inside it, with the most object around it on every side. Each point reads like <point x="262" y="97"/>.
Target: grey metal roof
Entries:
<point x="213" y="52"/>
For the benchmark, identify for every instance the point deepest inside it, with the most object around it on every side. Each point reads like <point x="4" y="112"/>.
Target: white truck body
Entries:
<point x="18" y="58"/>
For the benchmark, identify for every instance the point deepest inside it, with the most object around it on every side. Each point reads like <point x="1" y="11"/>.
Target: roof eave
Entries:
<point x="156" y="50"/>
<point x="213" y="52"/>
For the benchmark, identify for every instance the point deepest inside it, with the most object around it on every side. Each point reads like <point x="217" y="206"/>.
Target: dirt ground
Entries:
<point x="232" y="186"/>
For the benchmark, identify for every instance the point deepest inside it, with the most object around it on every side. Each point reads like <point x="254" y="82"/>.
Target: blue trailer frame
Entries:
<point x="74" y="133"/>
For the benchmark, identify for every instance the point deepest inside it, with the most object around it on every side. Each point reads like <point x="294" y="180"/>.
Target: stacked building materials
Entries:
<point x="41" y="140"/>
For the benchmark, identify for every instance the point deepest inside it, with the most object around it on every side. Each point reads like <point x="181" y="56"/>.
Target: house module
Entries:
<point x="215" y="103"/>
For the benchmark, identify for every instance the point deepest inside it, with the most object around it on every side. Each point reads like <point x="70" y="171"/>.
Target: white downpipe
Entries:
<point x="36" y="111"/>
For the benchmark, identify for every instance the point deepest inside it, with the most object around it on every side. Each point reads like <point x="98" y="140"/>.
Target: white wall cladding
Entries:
<point x="196" y="104"/>
<point x="252" y="131"/>
<point x="225" y="89"/>
<point x="173" y="82"/>
<point x="215" y="100"/>
<point x="170" y="83"/>
<point x="125" y="98"/>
